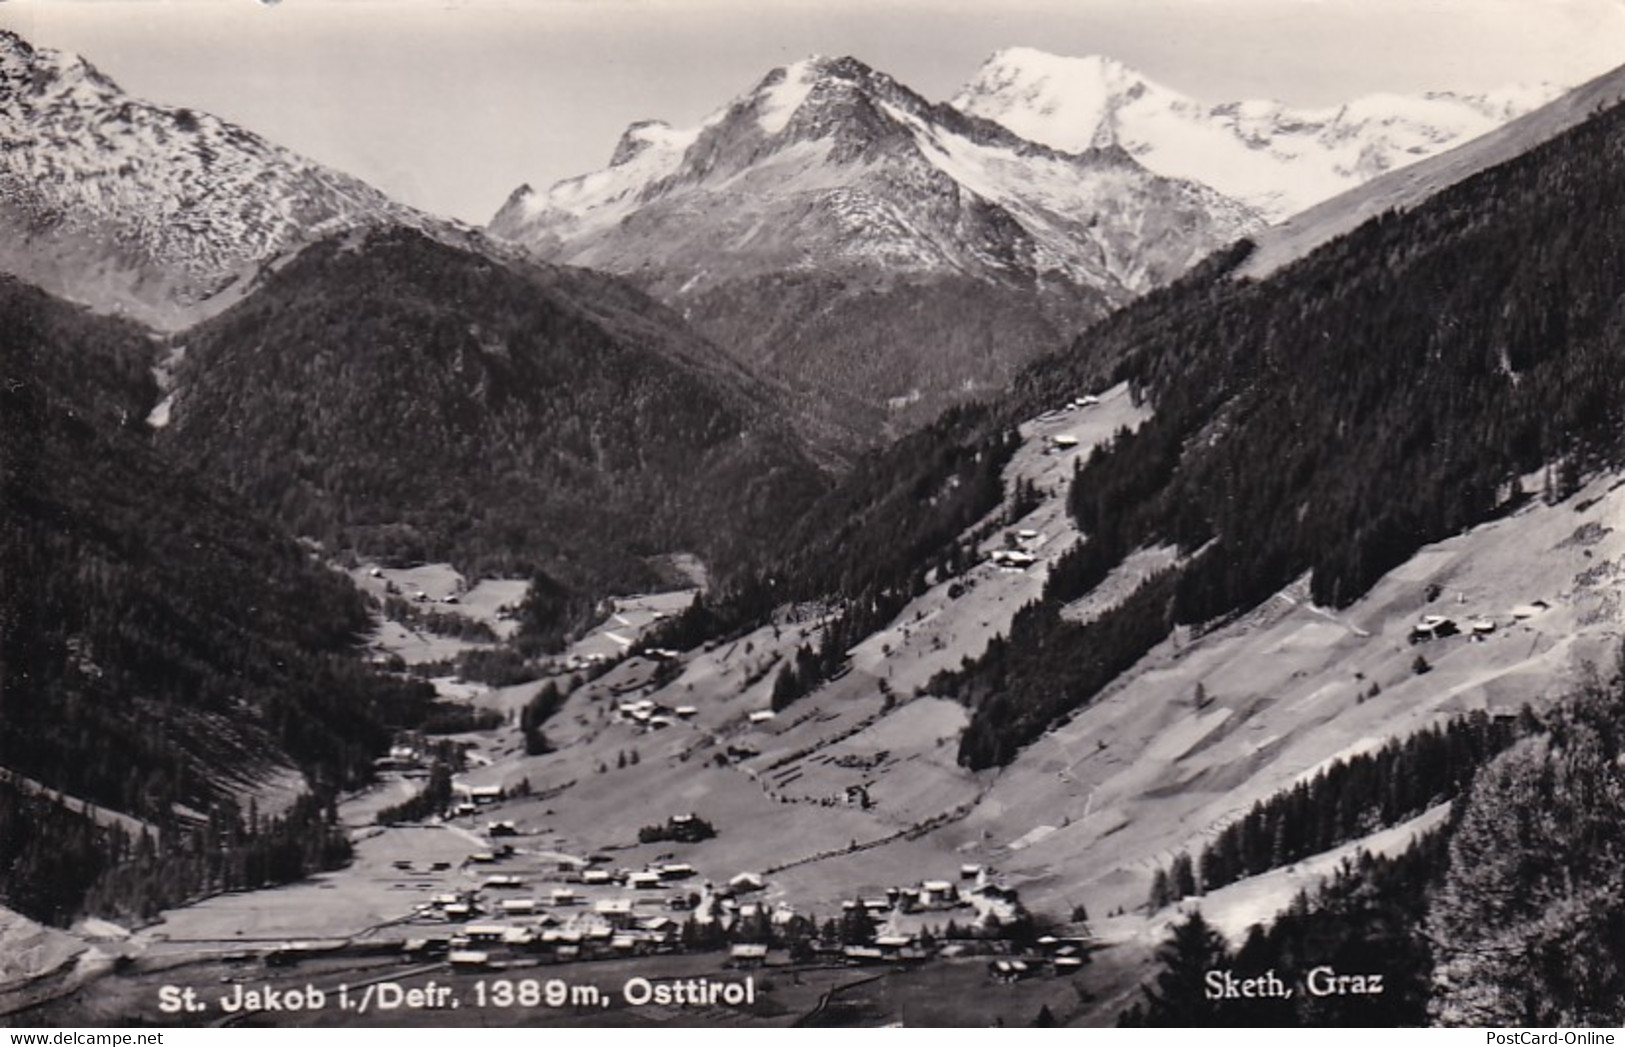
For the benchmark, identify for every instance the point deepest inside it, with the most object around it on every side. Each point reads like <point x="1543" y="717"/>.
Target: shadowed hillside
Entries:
<point x="389" y="394"/>
<point x="162" y="651"/>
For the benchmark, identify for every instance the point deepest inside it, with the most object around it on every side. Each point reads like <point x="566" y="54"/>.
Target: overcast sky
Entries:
<point x="450" y="104"/>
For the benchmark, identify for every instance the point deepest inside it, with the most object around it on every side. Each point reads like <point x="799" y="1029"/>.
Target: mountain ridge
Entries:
<point x="1413" y="185"/>
<point x="164" y="214"/>
<point x="1277" y="158"/>
<point x="557" y="421"/>
<point x="819" y="224"/>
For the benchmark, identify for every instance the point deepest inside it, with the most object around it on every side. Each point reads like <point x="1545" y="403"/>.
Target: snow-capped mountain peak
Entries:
<point x="785" y="89"/>
<point x="648" y="135"/>
<point x="1067" y="103"/>
<point x="833" y="132"/>
<point x="831" y="177"/>
<point x="152" y="210"/>
<point x="1274" y="157"/>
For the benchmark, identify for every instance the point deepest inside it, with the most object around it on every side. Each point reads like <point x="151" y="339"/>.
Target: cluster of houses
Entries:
<point x="1066" y="441"/>
<point x="1076" y="403"/>
<point x="1016" y="557"/>
<point x="1438" y="626"/>
<point x="585" y="910"/>
<point x="883" y="948"/>
<point x="977" y="889"/>
<point x="927" y="896"/>
<point x="418" y="595"/>
<point x="588" y="911"/>
<point x="890" y="943"/>
<point x="1053" y="956"/>
<point x="481" y="945"/>
<point x="576" y="663"/>
<point x="501" y="920"/>
<point x="653" y="715"/>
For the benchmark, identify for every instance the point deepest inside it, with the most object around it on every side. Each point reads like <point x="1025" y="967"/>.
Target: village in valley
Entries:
<point x="671" y="818"/>
<point x="675" y="821"/>
<point x="874" y="549"/>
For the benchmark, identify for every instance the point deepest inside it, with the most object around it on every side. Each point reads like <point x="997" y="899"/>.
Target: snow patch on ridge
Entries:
<point x="778" y="102"/>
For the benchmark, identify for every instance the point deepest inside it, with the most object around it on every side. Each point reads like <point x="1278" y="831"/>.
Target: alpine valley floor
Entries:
<point x="854" y="788"/>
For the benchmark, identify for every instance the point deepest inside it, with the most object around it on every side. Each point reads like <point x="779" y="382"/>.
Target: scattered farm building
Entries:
<point x="484" y="933"/>
<point x="1010" y="970"/>
<point x="1433" y="627"/>
<point x="746" y="882"/>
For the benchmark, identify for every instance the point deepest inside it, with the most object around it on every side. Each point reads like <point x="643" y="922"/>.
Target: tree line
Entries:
<point x="161" y="647"/>
<point x="62" y="865"/>
<point x="1511" y="914"/>
<point x="1384" y="392"/>
<point x="1351" y="799"/>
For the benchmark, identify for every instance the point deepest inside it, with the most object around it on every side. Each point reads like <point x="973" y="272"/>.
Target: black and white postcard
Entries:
<point x="674" y="513"/>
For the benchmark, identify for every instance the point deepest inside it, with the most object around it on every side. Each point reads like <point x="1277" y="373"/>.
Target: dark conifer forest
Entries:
<point x="160" y="646"/>
<point x="1358" y="796"/>
<point x="392" y="394"/>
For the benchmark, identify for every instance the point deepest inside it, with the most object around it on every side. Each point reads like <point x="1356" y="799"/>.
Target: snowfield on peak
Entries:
<point x="842" y="235"/>
<point x="781" y="100"/>
<point x="1276" y="158"/>
<point x="1406" y="188"/>
<point x="1071" y="214"/>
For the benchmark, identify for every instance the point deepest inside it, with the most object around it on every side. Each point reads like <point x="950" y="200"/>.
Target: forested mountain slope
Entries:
<point x="390" y="394"/>
<point x="1407" y="381"/>
<point x="162" y="650"/>
<point x="1387" y="391"/>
